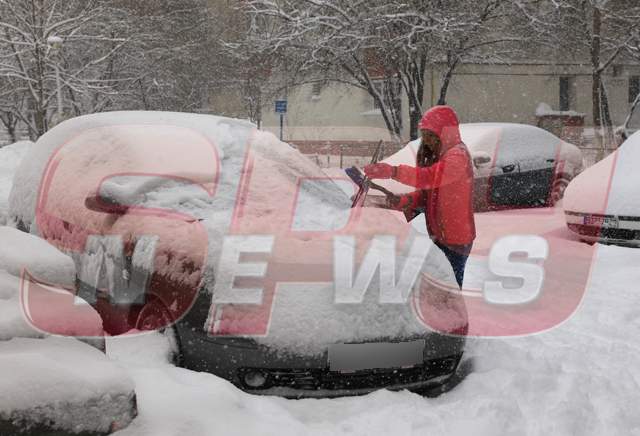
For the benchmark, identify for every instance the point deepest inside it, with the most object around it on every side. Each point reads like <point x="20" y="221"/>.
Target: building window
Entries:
<point x="634" y="88"/>
<point x="565" y="93"/>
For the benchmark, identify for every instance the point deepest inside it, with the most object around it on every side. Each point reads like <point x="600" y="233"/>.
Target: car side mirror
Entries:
<point x="481" y="159"/>
<point x="103" y="204"/>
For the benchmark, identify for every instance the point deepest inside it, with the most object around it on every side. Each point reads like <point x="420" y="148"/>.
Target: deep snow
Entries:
<point x="63" y="382"/>
<point x="582" y="378"/>
<point x="20" y="252"/>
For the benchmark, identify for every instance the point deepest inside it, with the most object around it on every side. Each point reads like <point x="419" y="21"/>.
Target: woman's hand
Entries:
<point x="380" y="171"/>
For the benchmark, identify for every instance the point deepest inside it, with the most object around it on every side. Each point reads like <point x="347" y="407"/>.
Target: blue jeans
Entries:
<point x="457" y="256"/>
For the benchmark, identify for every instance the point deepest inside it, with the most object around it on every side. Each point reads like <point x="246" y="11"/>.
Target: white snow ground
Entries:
<point x="582" y="378"/>
<point x="63" y="382"/>
<point x="51" y="380"/>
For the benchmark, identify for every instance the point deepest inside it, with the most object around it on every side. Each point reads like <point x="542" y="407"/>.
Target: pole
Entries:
<point x="59" y="91"/>
<point x="281" y="127"/>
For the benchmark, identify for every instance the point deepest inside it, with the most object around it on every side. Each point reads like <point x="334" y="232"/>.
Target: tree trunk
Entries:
<point x="446" y="81"/>
<point x="11" y="130"/>
<point x="10" y="122"/>
<point x="607" y="123"/>
<point x="415" y="107"/>
<point x="39" y="120"/>
<point x="596" y="83"/>
<point x="414" y="120"/>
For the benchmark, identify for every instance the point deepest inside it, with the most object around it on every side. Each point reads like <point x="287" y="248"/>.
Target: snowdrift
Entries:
<point x="20" y="252"/>
<point x="61" y="383"/>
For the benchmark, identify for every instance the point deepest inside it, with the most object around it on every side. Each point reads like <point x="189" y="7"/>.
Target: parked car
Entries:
<point x="515" y="165"/>
<point x="50" y="384"/>
<point x="603" y="203"/>
<point x="199" y="184"/>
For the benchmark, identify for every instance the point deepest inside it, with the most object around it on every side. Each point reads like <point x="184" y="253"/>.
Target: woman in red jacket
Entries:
<point x="443" y="177"/>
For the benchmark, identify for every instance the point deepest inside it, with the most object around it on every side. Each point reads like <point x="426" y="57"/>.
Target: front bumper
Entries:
<point x="297" y="376"/>
<point x="615" y="229"/>
<point x="322" y="383"/>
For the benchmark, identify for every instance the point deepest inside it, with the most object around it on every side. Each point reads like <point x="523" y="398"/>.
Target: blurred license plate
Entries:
<point x="601" y="221"/>
<point x="375" y="355"/>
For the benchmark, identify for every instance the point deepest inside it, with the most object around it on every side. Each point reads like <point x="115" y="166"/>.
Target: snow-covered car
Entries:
<point x="515" y="165"/>
<point x="52" y="384"/>
<point x="10" y="157"/>
<point x="249" y="251"/>
<point x="603" y="203"/>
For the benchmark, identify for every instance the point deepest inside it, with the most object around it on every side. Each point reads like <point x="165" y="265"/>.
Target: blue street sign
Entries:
<point x="281" y="106"/>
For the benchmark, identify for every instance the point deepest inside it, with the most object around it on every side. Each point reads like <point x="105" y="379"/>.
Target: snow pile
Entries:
<point x="612" y="186"/>
<point x="10" y="158"/>
<point x="63" y="384"/>
<point x="582" y="377"/>
<point x="20" y="251"/>
<point x="48" y="381"/>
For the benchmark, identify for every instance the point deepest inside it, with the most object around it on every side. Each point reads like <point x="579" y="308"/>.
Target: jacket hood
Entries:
<point x="443" y="121"/>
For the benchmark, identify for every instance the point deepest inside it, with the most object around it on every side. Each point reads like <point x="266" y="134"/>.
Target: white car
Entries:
<point x="603" y="203"/>
<point x="515" y="165"/>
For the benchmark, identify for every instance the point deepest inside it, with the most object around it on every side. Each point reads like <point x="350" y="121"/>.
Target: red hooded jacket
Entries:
<point x="445" y="189"/>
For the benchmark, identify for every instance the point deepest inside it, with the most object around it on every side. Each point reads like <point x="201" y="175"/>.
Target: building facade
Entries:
<point x="338" y="113"/>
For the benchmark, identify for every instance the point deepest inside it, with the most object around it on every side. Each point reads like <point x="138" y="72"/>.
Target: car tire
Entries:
<point x="153" y="317"/>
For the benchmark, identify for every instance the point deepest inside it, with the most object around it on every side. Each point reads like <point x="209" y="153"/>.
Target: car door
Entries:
<point x="524" y="169"/>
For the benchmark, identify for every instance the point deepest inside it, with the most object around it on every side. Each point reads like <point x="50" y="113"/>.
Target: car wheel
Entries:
<point x="155" y="317"/>
<point x="557" y="193"/>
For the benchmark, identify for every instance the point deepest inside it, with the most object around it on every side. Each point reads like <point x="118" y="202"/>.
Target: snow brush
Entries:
<point x="365" y="182"/>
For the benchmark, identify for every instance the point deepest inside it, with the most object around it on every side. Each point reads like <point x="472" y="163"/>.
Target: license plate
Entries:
<point x="601" y="221"/>
<point x="375" y="355"/>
